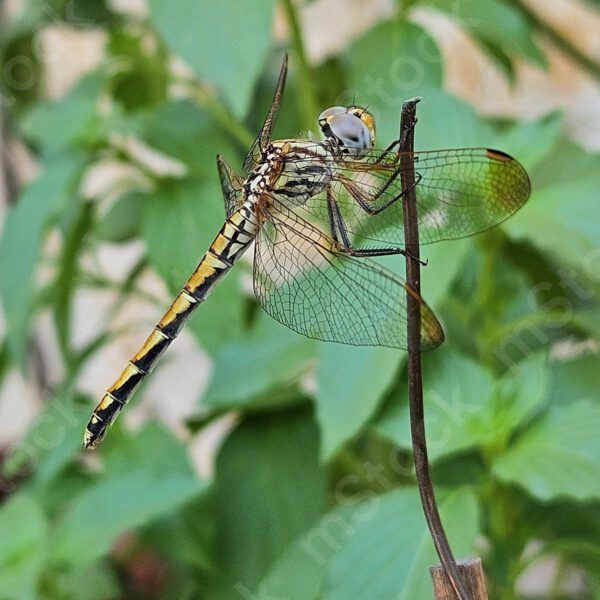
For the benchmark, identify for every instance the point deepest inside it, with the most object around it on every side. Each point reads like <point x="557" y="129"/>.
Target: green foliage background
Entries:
<point x="313" y="495"/>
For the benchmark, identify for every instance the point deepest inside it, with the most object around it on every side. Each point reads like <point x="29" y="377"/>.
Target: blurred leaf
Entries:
<point x="465" y="407"/>
<point x="123" y="220"/>
<point x="146" y="488"/>
<point x="23" y="547"/>
<point x="447" y="122"/>
<point x="39" y="203"/>
<point x="583" y="554"/>
<point x="202" y="34"/>
<point x="74" y="233"/>
<point x="566" y="162"/>
<point x="563" y="220"/>
<point x="153" y="449"/>
<point x="396" y="61"/>
<point x="350" y="384"/>
<point x="396" y="548"/>
<point x="531" y="141"/>
<point x="142" y="77"/>
<point x="57" y="126"/>
<point x="379" y="548"/>
<point x="269" y="489"/>
<point x="573" y="380"/>
<point x="182" y="130"/>
<point x="496" y="24"/>
<point x="559" y="455"/>
<point x="98" y="581"/>
<point x="393" y="62"/>
<point x="186" y="537"/>
<point x="253" y="370"/>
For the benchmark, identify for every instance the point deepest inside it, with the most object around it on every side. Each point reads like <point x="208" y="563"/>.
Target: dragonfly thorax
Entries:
<point x="349" y="129"/>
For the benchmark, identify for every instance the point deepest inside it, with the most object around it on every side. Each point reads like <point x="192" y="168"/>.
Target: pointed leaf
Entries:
<point x="202" y="33"/>
<point x="557" y="456"/>
<point x="269" y="489"/>
<point x="22" y="237"/>
<point x="378" y="548"/>
<point x="351" y="382"/>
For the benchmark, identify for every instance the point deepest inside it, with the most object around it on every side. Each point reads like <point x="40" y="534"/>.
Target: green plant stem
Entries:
<point x="222" y="116"/>
<point x="539" y="319"/>
<point x="557" y="39"/>
<point x="306" y="89"/>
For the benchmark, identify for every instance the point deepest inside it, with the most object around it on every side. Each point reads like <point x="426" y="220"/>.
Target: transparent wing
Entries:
<point x="264" y="136"/>
<point x="301" y="281"/>
<point x="459" y="193"/>
<point x="231" y="184"/>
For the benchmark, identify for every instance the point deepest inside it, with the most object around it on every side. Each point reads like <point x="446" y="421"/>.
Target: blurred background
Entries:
<point x="256" y="463"/>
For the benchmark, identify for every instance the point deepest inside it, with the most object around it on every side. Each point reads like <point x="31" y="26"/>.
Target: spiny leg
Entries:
<point x="366" y="203"/>
<point x="339" y="234"/>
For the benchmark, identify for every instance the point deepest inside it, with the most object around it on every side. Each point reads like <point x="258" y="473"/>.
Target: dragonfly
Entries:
<point x="318" y="213"/>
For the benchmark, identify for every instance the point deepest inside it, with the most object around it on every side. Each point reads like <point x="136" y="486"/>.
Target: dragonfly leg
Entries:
<point x="343" y="240"/>
<point x="366" y="202"/>
<point x="373" y="252"/>
<point x="336" y="221"/>
<point x="388" y="150"/>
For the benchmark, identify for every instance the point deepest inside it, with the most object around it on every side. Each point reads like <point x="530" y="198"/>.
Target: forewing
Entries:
<point x="460" y="193"/>
<point x="264" y="136"/>
<point x="301" y="281"/>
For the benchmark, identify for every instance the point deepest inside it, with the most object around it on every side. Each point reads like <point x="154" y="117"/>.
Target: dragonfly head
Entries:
<point x="352" y="128"/>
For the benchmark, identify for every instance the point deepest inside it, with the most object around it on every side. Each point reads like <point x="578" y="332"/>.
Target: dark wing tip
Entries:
<point x="503" y="157"/>
<point x="498" y="155"/>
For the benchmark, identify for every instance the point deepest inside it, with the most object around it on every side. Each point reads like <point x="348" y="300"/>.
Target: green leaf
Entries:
<point x="574" y="379"/>
<point x="465" y="407"/>
<point x="269" y="489"/>
<point x="396" y="61"/>
<point x="202" y="34"/>
<point x="498" y="24"/>
<point x="350" y="384"/>
<point x="186" y="537"/>
<point x="568" y="214"/>
<point x="405" y="75"/>
<point x="23" y="547"/>
<point x="156" y="480"/>
<point x="75" y="230"/>
<point x="182" y="130"/>
<point x="142" y="77"/>
<point x="122" y="222"/>
<point x="379" y="548"/>
<point x="266" y="362"/>
<point x="39" y="204"/>
<point x="530" y="142"/>
<point x="447" y="122"/>
<point x="98" y="580"/>
<point x="557" y="456"/>
<point x="57" y="126"/>
<point x="154" y="449"/>
<point x="391" y="63"/>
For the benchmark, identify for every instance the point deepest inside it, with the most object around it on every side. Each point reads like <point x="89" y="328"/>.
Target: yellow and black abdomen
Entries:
<point x="233" y="239"/>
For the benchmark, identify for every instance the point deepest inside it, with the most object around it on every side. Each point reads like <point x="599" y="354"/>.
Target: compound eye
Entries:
<point x="334" y="110"/>
<point x="351" y="131"/>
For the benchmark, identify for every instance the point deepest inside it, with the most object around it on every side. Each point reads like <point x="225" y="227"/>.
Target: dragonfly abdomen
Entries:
<point x="234" y="238"/>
